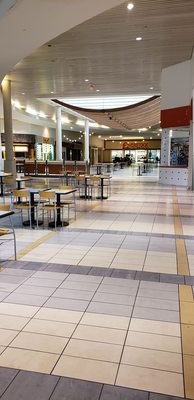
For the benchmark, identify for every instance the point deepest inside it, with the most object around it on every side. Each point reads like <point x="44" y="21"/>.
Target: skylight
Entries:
<point x="101" y="103"/>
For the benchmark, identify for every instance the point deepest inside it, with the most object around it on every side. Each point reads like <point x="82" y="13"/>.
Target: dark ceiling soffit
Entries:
<point x="105" y="111"/>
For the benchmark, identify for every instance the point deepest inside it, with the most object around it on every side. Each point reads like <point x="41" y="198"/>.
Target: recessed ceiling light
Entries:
<point x="138" y="38"/>
<point x="158" y="134"/>
<point x="71" y="127"/>
<point x="130" y="6"/>
<point x="23" y="93"/>
<point x="86" y="80"/>
<point x="150" y="137"/>
<point x="97" y="90"/>
<point x="52" y="92"/>
<point x="151" y="88"/>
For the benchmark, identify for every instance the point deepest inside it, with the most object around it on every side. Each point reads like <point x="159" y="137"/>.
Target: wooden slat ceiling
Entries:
<point x="104" y="51"/>
<point x="141" y="115"/>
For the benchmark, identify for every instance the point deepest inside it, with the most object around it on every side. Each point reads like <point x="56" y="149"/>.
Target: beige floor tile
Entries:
<point x="18" y="310"/>
<point x="93" y="350"/>
<point x="28" y="360"/>
<point x="152" y="359"/>
<point x="92" y="370"/>
<point x="13" y="322"/>
<point x="99" y="334"/>
<point x="39" y="342"/>
<point x="59" y="315"/>
<point x="151" y="380"/>
<point x="158" y="327"/>
<point x="2" y="348"/>
<point x="153" y="341"/>
<point x="63" y="329"/>
<point x="106" y="321"/>
<point x="6" y="336"/>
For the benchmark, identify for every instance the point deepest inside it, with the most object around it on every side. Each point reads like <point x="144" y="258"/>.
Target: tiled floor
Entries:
<point x="106" y="304"/>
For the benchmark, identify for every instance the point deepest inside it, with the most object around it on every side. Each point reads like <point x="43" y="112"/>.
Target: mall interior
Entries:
<point x="96" y="200"/>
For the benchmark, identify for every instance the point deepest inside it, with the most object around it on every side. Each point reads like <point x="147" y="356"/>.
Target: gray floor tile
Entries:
<point x="114" y="298"/>
<point x="31" y="386"/>
<point x="154" y="314"/>
<point x="110" y="309"/>
<point x="3" y="295"/>
<point x="156" y="396"/>
<point x="147" y="276"/>
<point x="160" y="304"/>
<point x="118" y="393"/>
<point x="171" y="278"/>
<point x="74" y="269"/>
<point x="101" y="271"/>
<point x="57" y="268"/>
<point x="73" y="294"/>
<point x="31" y="300"/>
<point x="6" y="377"/>
<point x="74" y="389"/>
<point x="189" y="280"/>
<point x="123" y="274"/>
<point x="66" y="304"/>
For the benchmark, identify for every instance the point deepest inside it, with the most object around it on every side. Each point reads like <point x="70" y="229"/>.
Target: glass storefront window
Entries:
<point x="179" y="152"/>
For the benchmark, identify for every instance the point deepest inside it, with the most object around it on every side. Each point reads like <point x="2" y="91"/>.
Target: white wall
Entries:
<point x="176" y="83"/>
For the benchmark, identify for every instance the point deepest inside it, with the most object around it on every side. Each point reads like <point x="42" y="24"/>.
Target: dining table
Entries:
<point x="59" y="194"/>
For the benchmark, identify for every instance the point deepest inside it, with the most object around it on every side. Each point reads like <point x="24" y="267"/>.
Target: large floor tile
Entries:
<point x="54" y="328"/>
<point x="114" y="298"/>
<point x="111" y="392"/>
<point x="13" y="322"/>
<point x="40" y="342"/>
<point x="18" y="310"/>
<point x="104" y="320"/>
<point x="76" y="389"/>
<point x="91" y="370"/>
<point x="73" y="294"/>
<point x="6" y="377"/>
<point x="6" y="336"/>
<point x="154" y="326"/>
<point x="36" y="290"/>
<point x="116" y="289"/>
<point x="51" y="314"/>
<point x="152" y="359"/>
<point x="28" y="360"/>
<point x="30" y="385"/>
<point x="99" y="334"/>
<point x="108" y="308"/>
<point x="67" y="304"/>
<point x="28" y="299"/>
<point x="155" y="314"/>
<point x="93" y="350"/>
<point x="151" y="380"/>
<point x="161" y="304"/>
<point x="153" y="341"/>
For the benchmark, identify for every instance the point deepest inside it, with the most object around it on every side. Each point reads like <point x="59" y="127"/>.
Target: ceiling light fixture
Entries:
<point x="130" y="6"/>
<point x="138" y="38"/>
<point x="86" y="80"/>
<point x="151" y="88"/>
<point x="97" y="90"/>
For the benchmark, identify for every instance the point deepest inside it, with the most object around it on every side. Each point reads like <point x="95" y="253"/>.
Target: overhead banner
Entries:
<point x="133" y="145"/>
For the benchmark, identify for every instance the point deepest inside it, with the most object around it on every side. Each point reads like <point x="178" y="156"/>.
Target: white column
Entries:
<point x="165" y="147"/>
<point x="58" y="134"/>
<point x="87" y="142"/>
<point x="10" y="163"/>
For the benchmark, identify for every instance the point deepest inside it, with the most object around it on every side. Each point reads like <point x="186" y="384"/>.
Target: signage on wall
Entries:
<point x="133" y="145"/>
